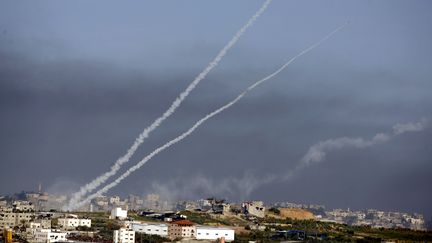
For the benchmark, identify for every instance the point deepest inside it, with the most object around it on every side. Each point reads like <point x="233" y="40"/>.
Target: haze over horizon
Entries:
<point x="80" y="80"/>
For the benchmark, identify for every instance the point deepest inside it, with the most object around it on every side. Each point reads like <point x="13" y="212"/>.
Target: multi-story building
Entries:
<point x="15" y="216"/>
<point x="118" y="213"/>
<point x="48" y="235"/>
<point x="254" y="208"/>
<point x="150" y="229"/>
<point x="124" y="235"/>
<point x="32" y="228"/>
<point x="22" y="206"/>
<point x="72" y="221"/>
<point x="114" y="200"/>
<point x="214" y="233"/>
<point x="181" y="229"/>
<point x="44" y="222"/>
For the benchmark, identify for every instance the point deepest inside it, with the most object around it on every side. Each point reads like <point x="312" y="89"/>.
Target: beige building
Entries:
<point x="124" y="235"/>
<point x="72" y="221"/>
<point x="48" y="235"/>
<point x="44" y="222"/>
<point x="11" y="218"/>
<point x="254" y="208"/>
<point x="181" y="229"/>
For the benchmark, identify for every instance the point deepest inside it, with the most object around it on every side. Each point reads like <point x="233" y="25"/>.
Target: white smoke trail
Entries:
<point x="243" y="186"/>
<point x="197" y="124"/>
<point x="317" y="152"/>
<point x="125" y="158"/>
<point x="409" y="127"/>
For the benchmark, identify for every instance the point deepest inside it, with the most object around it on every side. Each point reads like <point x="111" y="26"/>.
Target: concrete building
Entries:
<point x="221" y="208"/>
<point x="23" y="206"/>
<point x="114" y="200"/>
<point x="32" y="228"/>
<point x="44" y="222"/>
<point x="150" y="229"/>
<point x="254" y="208"/>
<point x="48" y="235"/>
<point x="72" y="221"/>
<point x="124" y="235"/>
<point x="181" y="229"/>
<point x="214" y="233"/>
<point x="11" y="216"/>
<point x="118" y="213"/>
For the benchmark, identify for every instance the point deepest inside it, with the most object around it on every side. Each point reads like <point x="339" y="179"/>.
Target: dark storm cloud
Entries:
<point x="77" y="86"/>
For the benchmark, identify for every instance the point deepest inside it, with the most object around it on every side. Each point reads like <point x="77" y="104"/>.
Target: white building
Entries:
<point x="150" y="229"/>
<point x="118" y="213"/>
<point x="47" y="235"/>
<point x="214" y="233"/>
<point x="72" y="223"/>
<point x="32" y="229"/>
<point x="124" y="235"/>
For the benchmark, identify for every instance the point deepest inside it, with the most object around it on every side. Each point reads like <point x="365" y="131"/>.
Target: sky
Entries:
<point x="80" y="80"/>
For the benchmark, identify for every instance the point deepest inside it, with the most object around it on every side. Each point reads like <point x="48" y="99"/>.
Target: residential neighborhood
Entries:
<point x="117" y="219"/>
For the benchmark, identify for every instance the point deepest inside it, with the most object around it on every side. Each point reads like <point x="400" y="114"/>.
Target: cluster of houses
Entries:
<point x="37" y="226"/>
<point x="182" y="229"/>
<point x="172" y="229"/>
<point x="375" y="218"/>
<point x="27" y="217"/>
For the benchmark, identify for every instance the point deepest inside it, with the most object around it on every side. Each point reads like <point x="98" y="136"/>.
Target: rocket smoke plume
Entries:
<point x="197" y="124"/>
<point x="177" y="102"/>
<point x="318" y="152"/>
<point x="241" y="187"/>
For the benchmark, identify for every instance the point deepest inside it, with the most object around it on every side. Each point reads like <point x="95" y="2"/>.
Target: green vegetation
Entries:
<point x="206" y="219"/>
<point x="145" y="238"/>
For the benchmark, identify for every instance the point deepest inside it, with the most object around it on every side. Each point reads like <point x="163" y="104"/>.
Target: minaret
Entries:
<point x="40" y="188"/>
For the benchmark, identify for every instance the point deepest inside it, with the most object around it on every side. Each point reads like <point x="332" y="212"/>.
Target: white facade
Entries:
<point x="118" y="213"/>
<point x="72" y="223"/>
<point x="124" y="235"/>
<point x="46" y="235"/>
<point x="150" y="229"/>
<point x="213" y="233"/>
<point x="33" y="228"/>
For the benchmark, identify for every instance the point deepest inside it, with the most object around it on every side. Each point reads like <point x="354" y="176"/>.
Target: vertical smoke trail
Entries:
<point x="125" y="158"/>
<point x="197" y="124"/>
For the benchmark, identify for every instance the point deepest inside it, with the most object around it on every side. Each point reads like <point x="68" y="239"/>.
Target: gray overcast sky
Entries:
<point x="79" y="80"/>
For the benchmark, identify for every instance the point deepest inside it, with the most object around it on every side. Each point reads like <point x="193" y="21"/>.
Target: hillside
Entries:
<point x="293" y="213"/>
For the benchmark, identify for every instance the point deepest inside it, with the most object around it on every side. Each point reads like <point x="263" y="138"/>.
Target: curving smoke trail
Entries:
<point x="242" y="186"/>
<point x="317" y="152"/>
<point x="197" y="124"/>
<point x="145" y="134"/>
